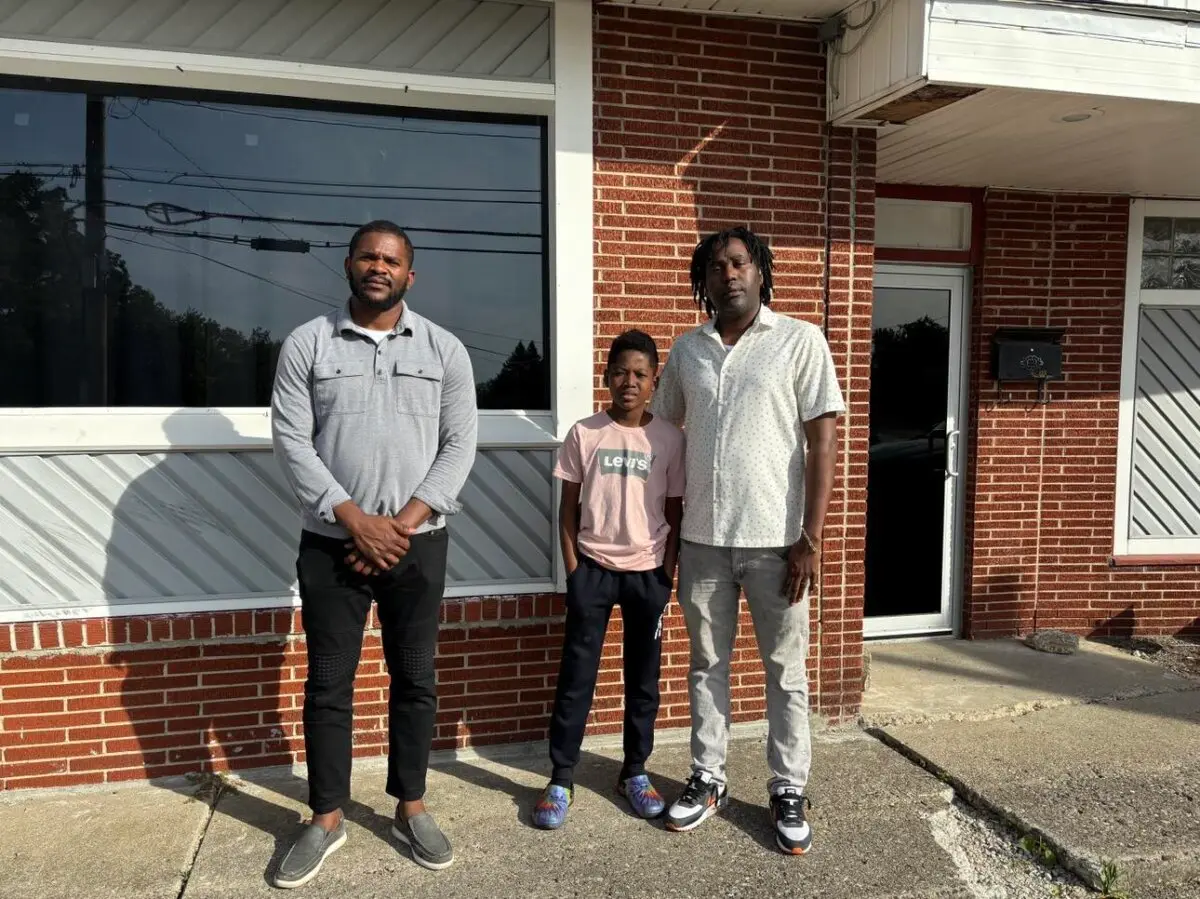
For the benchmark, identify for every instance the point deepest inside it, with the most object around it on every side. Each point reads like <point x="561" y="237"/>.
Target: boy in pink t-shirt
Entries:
<point x="622" y="503"/>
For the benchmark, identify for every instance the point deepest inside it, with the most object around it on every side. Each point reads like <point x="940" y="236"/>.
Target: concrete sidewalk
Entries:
<point x="874" y="814"/>
<point x="1096" y="753"/>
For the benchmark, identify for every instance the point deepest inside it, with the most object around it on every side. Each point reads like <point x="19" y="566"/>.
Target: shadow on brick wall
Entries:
<point x="199" y="693"/>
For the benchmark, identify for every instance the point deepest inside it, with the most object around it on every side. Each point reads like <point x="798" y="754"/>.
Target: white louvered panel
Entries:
<point x="1166" y="431"/>
<point x="505" y="38"/>
<point x="107" y="530"/>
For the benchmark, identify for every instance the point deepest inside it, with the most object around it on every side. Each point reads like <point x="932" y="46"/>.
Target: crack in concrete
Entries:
<point x="989" y="862"/>
<point x="1021" y="709"/>
<point x="210" y="792"/>
<point x="1086" y="869"/>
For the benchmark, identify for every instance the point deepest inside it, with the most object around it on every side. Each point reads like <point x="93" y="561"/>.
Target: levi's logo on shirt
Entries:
<point x="625" y="463"/>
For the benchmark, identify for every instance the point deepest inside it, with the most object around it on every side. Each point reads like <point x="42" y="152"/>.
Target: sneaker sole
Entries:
<point x="416" y="856"/>
<point x="708" y="813"/>
<point x="783" y="847"/>
<point x="301" y="881"/>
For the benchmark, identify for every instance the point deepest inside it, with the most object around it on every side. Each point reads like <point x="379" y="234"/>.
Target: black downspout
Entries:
<point x="826" y="163"/>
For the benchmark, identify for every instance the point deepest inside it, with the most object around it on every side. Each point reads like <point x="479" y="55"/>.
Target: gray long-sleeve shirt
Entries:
<point x="377" y="422"/>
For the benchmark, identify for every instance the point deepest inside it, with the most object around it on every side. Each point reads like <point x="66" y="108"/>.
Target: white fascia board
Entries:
<point x="40" y="432"/>
<point x="244" y="74"/>
<point x="1040" y="47"/>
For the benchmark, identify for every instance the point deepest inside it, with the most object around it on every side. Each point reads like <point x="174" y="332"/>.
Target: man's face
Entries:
<point x="378" y="271"/>
<point x="630" y="380"/>
<point x="733" y="281"/>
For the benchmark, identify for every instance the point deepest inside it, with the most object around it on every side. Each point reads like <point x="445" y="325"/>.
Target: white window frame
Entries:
<point x="567" y="104"/>
<point x="1125" y="546"/>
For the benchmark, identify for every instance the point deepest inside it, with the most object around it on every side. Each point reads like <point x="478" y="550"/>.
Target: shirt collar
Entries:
<point x="765" y="319"/>
<point x="404" y="326"/>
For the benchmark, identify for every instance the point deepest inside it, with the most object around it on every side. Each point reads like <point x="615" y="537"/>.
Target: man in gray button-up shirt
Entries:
<point x="374" y="422"/>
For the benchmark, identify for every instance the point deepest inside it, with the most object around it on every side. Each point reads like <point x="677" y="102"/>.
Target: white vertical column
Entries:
<point x="571" y="215"/>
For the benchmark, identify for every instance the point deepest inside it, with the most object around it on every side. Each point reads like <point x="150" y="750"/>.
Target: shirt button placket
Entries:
<point x="716" y="499"/>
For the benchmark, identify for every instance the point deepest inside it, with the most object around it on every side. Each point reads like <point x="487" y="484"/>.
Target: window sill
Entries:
<point x="40" y="432"/>
<point x="193" y="605"/>
<point x="1163" y="561"/>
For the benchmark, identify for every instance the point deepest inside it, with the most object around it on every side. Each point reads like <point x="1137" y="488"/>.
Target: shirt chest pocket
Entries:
<point x="340" y="388"/>
<point x="418" y="387"/>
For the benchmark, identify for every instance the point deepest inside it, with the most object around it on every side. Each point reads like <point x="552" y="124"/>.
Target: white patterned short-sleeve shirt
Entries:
<point x="743" y="409"/>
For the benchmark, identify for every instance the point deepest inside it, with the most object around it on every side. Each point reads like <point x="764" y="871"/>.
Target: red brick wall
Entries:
<point x="700" y="123"/>
<point x="708" y="122"/>
<point x="1042" y="481"/>
<point x="100" y="701"/>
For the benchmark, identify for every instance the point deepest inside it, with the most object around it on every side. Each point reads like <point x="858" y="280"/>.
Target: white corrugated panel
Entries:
<point x="116" y="529"/>
<point x="1166" y="431"/>
<point x="883" y="52"/>
<point x="503" y="38"/>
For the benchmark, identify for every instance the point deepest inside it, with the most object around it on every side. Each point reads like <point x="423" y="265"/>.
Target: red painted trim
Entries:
<point x="935" y="194"/>
<point x="935" y="257"/>
<point x="978" y="228"/>
<point x="930" y="193"/>
<point x="1154" y="561"/>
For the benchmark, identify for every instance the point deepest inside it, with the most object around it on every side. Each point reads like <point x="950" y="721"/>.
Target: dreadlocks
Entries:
<point x="707" y="248"/>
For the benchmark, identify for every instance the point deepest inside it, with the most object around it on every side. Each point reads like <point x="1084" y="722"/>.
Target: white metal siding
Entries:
<point x="1166" y="430"/>
<point x="501" y="38"/>
<point x="1048" y="47"/>
<point x="114" y="529"/>
<point x="883" y="55"/>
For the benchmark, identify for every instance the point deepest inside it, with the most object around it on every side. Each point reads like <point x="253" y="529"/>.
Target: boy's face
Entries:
<point x="630" y="380"/>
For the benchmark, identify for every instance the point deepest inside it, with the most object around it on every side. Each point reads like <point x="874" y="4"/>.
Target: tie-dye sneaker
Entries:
<point x="551" y="811"/>
<point x="645" y="801"/>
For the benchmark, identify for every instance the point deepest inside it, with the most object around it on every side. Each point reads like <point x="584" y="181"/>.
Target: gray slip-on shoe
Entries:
<point x="303" y="861"/>
<point x="429" y="846"/>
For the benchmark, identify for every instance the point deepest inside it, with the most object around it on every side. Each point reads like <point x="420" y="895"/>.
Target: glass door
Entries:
<point x="914" y="473"/>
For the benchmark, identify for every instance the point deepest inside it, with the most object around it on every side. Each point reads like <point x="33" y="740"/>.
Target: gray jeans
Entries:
<point x="709" y="582"/>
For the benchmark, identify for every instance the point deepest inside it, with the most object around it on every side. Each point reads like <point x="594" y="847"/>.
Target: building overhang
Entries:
<point x="1089" y="97"/>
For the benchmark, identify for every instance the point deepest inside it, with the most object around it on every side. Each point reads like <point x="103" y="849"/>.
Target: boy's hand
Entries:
<point x="670" y="563"/>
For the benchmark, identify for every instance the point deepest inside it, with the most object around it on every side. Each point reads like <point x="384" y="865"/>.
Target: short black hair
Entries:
<point x="707" y="248"/>
<point x="382" y="226"/>
<point x="635" y="341"/>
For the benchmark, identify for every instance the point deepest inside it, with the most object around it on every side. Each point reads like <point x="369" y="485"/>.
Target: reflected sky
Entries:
<point x="189" y="184"/>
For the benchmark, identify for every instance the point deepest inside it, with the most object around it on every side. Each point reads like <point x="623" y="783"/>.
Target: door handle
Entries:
<point x="952" y="453"/>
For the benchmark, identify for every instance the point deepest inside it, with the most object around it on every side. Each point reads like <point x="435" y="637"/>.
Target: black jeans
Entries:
<point x="334" y="602"/>
<point x="592" y="591"/>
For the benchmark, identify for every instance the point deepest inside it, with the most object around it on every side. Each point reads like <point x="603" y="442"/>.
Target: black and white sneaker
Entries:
<point x="792" y="832"/>
<point x="701" y="798"/>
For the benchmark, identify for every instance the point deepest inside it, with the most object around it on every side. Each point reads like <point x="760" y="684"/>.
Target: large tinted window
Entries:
<point x="155" y="251"/>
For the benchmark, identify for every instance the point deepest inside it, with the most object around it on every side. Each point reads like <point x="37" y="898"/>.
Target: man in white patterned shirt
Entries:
<point x="751" y="388"/>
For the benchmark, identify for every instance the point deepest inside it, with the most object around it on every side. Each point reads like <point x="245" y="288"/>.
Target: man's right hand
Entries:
<point x="379" y="541"/>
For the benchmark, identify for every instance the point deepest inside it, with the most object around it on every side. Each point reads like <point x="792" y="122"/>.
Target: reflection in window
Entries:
<point x="218" y="228"/>
<point x="1171" y="254"/>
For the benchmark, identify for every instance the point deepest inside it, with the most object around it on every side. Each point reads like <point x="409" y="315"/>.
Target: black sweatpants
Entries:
<point x="592" y="591"/>
<point x="334" y="603"/>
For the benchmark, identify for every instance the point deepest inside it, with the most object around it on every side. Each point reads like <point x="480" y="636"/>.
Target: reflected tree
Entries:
<point x="909" y="375"/>
<point x="156" y="356"/>
<point x="520" y="383"/>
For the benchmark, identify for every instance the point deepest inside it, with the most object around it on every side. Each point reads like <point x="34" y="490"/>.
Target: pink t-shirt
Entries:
<point x="627" y="475"/>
